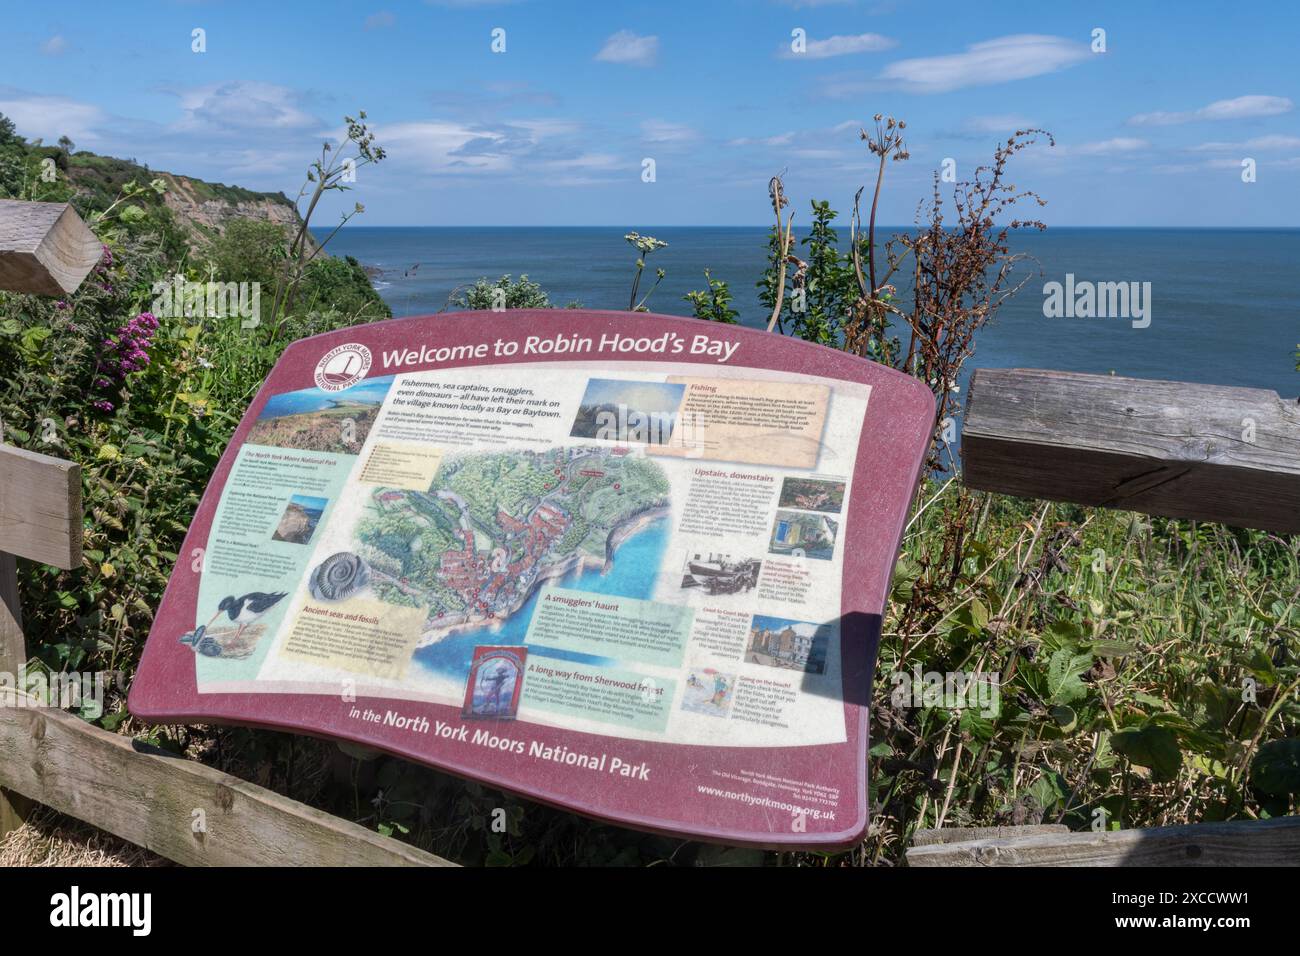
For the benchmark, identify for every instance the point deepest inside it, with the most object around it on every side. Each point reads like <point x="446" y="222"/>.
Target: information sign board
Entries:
<point x="627" y="564"/>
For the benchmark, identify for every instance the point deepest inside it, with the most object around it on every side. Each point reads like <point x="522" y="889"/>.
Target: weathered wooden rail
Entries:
<point x="1239" y="843"/>
<point x="179" y="809"/>
<point x="1208" y="452"/>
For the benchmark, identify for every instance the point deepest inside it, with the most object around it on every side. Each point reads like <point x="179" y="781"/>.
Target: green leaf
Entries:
<point x="1152" y="746"/>
<point x="1112" y="648"/>
<point x="1276" y="767"/>
<point x="1150" y="700"/>
<point x="1261" y="665"/>
<point x="1064" y="670"/>
<point x="1062" y="633"/>
<point x="1048" y="789"/>
<point x="977" y="725"/>
<point x="1065" y="718"/>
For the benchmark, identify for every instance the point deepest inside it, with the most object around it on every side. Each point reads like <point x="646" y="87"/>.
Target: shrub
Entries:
<point x="521" y="293"/>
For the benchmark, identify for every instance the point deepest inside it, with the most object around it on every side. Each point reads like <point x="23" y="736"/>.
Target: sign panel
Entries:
<point x="631" y="565"/>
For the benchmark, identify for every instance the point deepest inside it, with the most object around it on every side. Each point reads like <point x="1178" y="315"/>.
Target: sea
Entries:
<point x="1225" y="303"/>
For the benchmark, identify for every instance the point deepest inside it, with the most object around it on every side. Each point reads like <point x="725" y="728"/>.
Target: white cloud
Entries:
<point x="243" y="104"/>
<point x="443" y="146"/>
<point x="781" y="139"/>
<point x="1107" y="147"/>
<point x="502" y="149"/>
<point x="588" y="161"/>
<point x="1000" y="60"/>
<point x="839" y="46"/>
<point x="1234" y="163"/>
<point x="377" y="21"/>
<point x="54" y="45"/>
<point x="1259" y="143"/>
<point x="662" y="131"/>
<point x="1243" y="107"/>
<point x="627" y="47"/>
<point x="816" y="153"/>
<point x="49" y="117"/>
<point x="547" y="128"/>
<point x="1003" y="124"/>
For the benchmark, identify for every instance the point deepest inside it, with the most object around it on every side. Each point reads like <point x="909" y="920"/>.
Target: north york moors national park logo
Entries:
<point x="342" y="367"/>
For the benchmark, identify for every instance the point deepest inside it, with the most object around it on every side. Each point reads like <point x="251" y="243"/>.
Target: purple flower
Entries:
<point x="125" y="354"/>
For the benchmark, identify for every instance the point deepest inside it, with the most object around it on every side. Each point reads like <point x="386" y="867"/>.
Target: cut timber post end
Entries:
<point x="45" y="248"/>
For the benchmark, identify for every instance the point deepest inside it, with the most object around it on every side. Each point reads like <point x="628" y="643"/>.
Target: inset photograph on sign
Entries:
<point x="642" y="413"/>
<point x="790" y="645"/>
<point x="716" y="573"/>
<point x="813" y="494"/>
<point x="803" y="535"/>
<point x="496" y="679"/>
<point x="317" y="420"/>
<point x="708" y="691"/>
<point x="301" y="516"/>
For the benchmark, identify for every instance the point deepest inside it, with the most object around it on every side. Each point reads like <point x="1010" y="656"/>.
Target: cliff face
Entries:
<point x="201" y="208"/>
<point x="205" y="208"/>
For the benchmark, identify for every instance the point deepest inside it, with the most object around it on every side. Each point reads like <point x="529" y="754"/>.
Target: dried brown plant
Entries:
<point x="960" y="272"/>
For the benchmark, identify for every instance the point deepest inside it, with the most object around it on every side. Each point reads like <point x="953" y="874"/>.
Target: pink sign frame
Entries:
<point x="681" y="796"/>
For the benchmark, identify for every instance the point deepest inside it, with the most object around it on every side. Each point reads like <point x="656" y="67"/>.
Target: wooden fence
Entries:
<point x="1177" y="449"/>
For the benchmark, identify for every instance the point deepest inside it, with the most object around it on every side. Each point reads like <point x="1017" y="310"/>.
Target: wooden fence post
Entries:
<point x="45" y="248"/>
<point x="13" y="653"/>
<point x="40" y="519"/>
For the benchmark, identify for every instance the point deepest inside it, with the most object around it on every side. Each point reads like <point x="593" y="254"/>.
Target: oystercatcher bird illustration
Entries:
<point x="247" y="609"/>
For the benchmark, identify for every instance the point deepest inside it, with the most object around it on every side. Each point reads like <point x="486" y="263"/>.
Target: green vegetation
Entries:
<point x="504" y="293"/>
<point x="146" y="428"/>
<point x="714" y="303"/>
<point x="1143" y="662"/>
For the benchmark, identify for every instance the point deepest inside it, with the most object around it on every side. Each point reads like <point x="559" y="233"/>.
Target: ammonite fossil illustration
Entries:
<point x="338" y="577"/>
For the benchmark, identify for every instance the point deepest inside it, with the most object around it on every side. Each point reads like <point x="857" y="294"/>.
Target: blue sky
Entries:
<point x="554" y="130"/>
